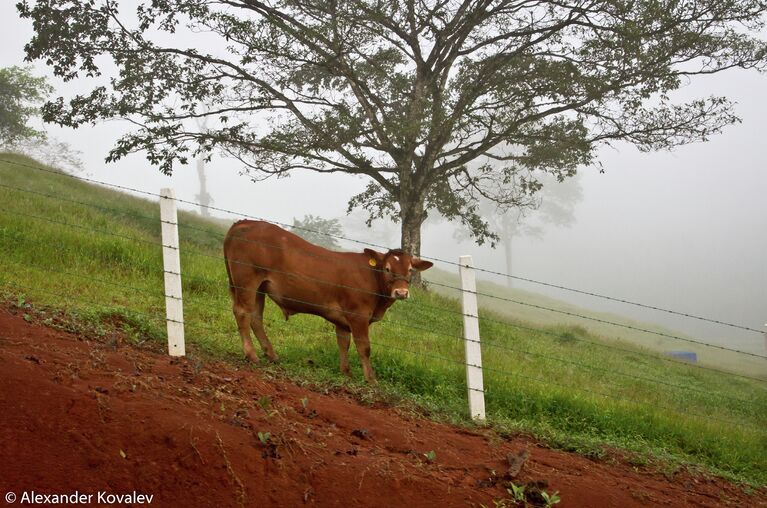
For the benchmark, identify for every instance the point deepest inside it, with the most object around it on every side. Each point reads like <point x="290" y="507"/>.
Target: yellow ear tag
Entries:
<point x="372" y="262"/>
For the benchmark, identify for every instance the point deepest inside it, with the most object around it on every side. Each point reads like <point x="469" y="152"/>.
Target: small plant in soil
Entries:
<point x="270" y="447"/>
<point x="517" y="492"/>
<point x="265" y="403"/>
<point x="550" y="499"/>
<point x="531" y="494"/>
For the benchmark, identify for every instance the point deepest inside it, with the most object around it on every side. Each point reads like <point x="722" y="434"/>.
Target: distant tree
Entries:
<point x="319" y="231"/>
<point x="359" y="226"/>
<point x="50" y="151"/>
<point x="203" y="198"/>
<point x="553" y="205"/>
<point x="21" y="94"/>
<point x="436" y="102"/>
<point x="556" y="207"/>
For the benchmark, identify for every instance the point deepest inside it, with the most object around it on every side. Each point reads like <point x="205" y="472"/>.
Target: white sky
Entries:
<point x="685" y="230"/>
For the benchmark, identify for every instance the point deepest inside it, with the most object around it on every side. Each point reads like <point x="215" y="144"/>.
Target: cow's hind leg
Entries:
<point x="344" y="338"/>
<point x="362" y="343"/>
<point x="244" y="308"/>
<point x="257" y="324"/>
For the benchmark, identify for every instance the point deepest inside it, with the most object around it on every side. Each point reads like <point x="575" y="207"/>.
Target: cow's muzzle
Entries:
<point x="400" y="294"/>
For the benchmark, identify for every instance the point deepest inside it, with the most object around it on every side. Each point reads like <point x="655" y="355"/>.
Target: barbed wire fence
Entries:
<point x="470" y="313"/>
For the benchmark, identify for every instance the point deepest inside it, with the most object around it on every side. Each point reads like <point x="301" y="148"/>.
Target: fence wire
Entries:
<point x="559" y="336"/>
<point x="493" y="343"/>
<point x="367" y="243"/>
<point x="92" y="304"/>
<point x="510" y="300"/>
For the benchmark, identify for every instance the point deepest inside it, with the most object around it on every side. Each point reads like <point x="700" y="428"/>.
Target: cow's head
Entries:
<point x="396" y="269"/>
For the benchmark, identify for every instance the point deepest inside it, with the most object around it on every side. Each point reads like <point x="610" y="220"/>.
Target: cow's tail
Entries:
<point x="229" y="276"/>
<point x="228" y="269"/>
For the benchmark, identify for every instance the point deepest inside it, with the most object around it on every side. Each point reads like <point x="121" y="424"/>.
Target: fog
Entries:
<point x="685" y="230"/>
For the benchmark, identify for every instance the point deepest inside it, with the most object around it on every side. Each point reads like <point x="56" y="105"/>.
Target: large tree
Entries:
<point x="437" y="102"/>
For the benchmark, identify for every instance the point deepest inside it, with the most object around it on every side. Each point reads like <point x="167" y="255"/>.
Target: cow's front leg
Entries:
<point x="344" y="338"/>
<point x="362" y="343"/>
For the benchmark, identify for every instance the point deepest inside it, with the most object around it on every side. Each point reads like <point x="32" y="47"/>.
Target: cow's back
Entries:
<point x="298" y="275"/>
<point x="265" y="243"/>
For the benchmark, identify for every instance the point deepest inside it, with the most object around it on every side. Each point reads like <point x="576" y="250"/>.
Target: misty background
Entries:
<point x="683" y="230"/>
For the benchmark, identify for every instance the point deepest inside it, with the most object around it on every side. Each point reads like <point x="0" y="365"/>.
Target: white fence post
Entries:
<point x="171" y="261"/>
<point x="471" y="338"/>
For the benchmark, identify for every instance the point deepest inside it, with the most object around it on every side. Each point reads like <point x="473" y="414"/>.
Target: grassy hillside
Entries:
<point x="531" y="308"/>
<point x="95" y="254"/>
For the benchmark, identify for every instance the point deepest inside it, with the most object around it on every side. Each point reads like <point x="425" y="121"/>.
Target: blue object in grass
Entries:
<point x="688" y="356"/>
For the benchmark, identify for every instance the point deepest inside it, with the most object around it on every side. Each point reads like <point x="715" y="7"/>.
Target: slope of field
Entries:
<point x="95" y="255"/>
<point x="90" y="416"/>
<point x="534" y="309"/>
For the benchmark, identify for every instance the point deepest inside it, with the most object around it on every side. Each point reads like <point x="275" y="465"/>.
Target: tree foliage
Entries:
<point x="436" y="102"/>
<point x="21" y="94"/>
<point x="319" y="231"/>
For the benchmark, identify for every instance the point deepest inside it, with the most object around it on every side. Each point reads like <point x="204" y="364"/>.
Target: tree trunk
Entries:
<point x="413" y="216"/>
<point x="411" y="236"/>
<point x="507" y="251"/>
<point x="203" y="196"/>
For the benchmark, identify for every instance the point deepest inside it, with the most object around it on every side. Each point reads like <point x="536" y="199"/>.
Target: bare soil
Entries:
<point x="82" y="415"/>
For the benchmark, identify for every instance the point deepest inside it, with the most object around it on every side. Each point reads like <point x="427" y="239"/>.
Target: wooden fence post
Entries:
<point x="171" y="261"/>
<point x="471" y="339"/>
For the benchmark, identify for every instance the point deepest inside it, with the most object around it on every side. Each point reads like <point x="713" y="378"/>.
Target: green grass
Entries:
<point x="558" y="382"/>
<point x="531" y="308"/>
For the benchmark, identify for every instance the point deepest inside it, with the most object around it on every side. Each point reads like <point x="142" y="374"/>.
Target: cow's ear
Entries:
<point x="420" y="264"/>
<point x="375" y="258"/>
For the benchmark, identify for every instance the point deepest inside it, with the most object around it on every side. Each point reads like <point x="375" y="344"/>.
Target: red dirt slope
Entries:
<point x="79" y="415"/>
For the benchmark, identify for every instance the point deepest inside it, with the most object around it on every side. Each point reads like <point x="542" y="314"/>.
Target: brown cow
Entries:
<point x="349" y="289"/>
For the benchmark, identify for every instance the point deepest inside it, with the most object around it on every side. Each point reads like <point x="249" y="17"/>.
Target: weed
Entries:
<point x="269" y="444"/>
<point x="532" y="494"/>
<point x="264" y="403"/>
<point x="517" y="492"/>
<point x="550" y="499"/>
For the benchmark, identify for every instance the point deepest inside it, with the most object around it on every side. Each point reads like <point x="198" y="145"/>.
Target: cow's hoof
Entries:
<point x="253" y="357"/>
<point x="274" y="359"/>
